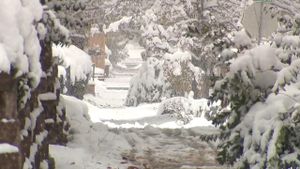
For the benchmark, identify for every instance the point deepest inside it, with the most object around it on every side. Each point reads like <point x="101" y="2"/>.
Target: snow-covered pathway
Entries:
<point x="107" y="135"/>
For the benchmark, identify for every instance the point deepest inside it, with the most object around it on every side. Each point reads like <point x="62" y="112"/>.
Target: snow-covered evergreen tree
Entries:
<point x="259" y="117"/>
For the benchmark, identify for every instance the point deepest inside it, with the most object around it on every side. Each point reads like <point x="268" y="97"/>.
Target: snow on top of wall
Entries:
<point x="19" y="43"/>
<point x="114" y="27"/>
<point x="7" y="148"/>
<point x="47" y="96"/>
<point x="80" y="62"/>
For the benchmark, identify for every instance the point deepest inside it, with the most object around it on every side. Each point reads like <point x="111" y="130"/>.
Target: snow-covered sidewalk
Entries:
<point x="105" y="134"/>
<point x="124" y="137"/>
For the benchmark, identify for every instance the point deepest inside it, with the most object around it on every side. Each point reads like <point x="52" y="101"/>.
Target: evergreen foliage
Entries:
<point x="260" y="104"/>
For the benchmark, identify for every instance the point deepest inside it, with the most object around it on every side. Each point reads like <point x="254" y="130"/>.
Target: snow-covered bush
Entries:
<point x="116" y="42"/>
<point x="148" y="84"/>
<point x="74" y="69"/>
<point x="182" y="108"/>
<point x="181" y="75"/>
<point x="173" y="75"/>
<point x="179" y="107"/>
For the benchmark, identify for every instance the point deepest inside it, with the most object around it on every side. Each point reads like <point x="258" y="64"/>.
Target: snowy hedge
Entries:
<point x="74" y="69"/>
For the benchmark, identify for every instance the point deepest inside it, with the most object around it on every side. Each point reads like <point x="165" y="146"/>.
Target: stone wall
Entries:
<point x="34" y="125"/>
<point x="9" y="122"/>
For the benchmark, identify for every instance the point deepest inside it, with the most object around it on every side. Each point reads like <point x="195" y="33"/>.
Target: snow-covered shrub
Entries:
<point x="116" y="42"/>
<point x="179" y="107"/>
<point x="77" y="113"/>
<point x="74" y="69"/>
<point x="173" y="75"/>
<point x="181" y="75"/>
<point x="182" y="108"/>
<point x="148" y="84"/>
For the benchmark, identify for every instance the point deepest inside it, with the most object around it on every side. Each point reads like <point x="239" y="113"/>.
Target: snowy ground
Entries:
<point x="111" y="135"/>
<point x="105" y="134"/>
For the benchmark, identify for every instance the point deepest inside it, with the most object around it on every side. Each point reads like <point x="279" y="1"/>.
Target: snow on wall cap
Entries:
<point x="47" y="96"/>
<point x="4" y="120"/>
<point x="7" y="148"/>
